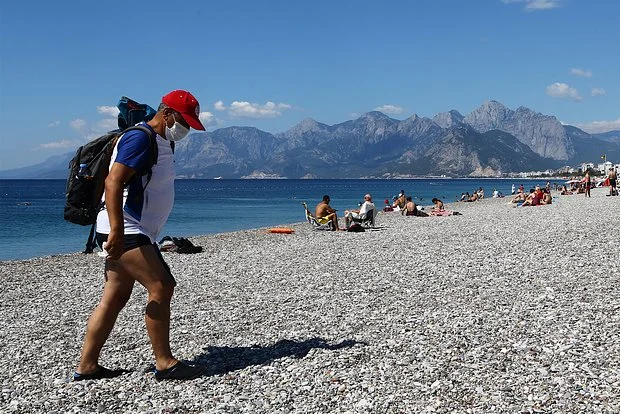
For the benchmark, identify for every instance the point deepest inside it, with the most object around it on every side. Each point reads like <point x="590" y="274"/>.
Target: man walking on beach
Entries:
<point x="127" y="229"/>
<point x="588" y="182"/>
<point x="613" y="178"/>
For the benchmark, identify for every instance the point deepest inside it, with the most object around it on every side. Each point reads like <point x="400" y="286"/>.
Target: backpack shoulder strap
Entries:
<point x="152" y="137"/>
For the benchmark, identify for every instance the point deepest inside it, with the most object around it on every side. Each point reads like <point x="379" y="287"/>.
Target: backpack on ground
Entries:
<point x="89" y="167"/>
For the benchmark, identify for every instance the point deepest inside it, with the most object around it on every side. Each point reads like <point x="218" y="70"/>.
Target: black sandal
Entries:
<point x="180" y="371"/>
<point x="99" y="374"/>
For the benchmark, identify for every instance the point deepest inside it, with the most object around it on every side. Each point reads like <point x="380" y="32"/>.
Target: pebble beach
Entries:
<point x="499" y="310"/>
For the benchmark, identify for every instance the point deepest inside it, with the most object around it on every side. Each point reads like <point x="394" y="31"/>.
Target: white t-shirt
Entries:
<point x="144" y="211"/>
<point x="366" y="207"/>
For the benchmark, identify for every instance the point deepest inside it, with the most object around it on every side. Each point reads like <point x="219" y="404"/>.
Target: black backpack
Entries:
<point x="90" y="166"/>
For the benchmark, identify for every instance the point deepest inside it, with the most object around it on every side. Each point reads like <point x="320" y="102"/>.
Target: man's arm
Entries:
<point x="114" y="184"/>
<point x="364" y="209"/>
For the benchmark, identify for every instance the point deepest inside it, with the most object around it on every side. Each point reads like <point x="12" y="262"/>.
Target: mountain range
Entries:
<point x="490" y="141"/>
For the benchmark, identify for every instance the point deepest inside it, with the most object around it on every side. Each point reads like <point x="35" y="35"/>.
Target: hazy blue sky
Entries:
<point x="270" y="64"/>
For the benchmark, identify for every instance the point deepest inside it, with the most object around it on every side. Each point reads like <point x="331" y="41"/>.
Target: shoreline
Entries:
<point x="499" y="307"/>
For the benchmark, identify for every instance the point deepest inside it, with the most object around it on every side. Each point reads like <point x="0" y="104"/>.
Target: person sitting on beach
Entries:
<point x="363" y="211"/>
<point x="474" y="197"/>
<point x="519" y="198"/>
<point x="412" y="210"/>
<point x="438" y="204"/>
<point x="539" y="192"/>
<point x="464" y="197"/>
<point x="480" y="193"/>
<point x="387" y="207"/>
<point x="532" y="199"/>
<point x="400" y="201"/>
<point x="566" y="191"/>
<point x="546" y="197"/>
<point x="324" y="212"/>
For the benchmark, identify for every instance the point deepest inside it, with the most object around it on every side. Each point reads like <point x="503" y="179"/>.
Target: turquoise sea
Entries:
<point x="32" y="224"/>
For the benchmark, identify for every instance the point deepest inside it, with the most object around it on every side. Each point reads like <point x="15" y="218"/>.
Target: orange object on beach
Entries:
<point x="282" y="230"/>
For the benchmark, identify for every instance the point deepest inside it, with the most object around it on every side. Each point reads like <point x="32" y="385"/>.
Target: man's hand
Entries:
<point x="115" y="246"/>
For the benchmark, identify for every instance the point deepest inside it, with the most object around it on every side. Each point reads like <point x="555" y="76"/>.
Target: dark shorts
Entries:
<point x="612" y="182"/>
<point x="133" y="241"/>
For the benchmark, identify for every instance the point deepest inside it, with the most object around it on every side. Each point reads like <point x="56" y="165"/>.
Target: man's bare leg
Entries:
<point x="116" y="293"/>
<point x="334" y="218"/>
<point x="141" y="264"/>
<point x="147" y="268"/>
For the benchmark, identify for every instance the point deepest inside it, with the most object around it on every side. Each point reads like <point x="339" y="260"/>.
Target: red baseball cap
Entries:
<point x="185" y="103"/>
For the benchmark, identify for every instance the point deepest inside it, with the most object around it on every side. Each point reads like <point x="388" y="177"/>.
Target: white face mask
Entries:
<point x="177" y="132"/>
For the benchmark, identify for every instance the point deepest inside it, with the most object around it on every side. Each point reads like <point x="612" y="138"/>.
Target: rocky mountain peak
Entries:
<point x="306" y="125"/>
<point x="488" y="116"/>
<point x="448" y="119"/>
<point x="374" y="115"/>
<point x="543" y="134"/>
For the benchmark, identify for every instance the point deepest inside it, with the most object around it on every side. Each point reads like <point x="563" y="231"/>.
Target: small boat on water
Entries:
<point x="217" y="178"/>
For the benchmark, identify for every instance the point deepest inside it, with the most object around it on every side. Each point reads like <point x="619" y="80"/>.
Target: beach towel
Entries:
<point x="442" y="213"/>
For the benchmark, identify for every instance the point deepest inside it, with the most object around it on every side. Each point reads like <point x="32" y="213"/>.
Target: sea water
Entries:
<point x="32" y="224"/>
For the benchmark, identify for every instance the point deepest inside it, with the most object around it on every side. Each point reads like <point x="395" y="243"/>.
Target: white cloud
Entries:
<point x="78" y="124"/>
<point x="219" y="106"/>
<point x="208" y="119"/>
<point x="533" y="5"/>
<point x="542" y="4"/>
<point x="600" y="126"/>
<point x="562" y="90"/>
<point x="108" y="110"/>
<point x="598" y="92"/>
<point x="53" y="124"/>
<point x="581" y="72"/>
<point x="105" y="125"/>
<point x="243" y="109"/>
<point x="62" y="144"/>
<point x="389" y="109"/>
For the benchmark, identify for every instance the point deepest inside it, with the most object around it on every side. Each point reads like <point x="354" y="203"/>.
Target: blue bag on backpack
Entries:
<point x="132" y="112"/>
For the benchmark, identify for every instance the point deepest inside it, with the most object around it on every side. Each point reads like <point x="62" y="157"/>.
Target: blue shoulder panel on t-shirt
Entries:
<point x="134" y="150"/>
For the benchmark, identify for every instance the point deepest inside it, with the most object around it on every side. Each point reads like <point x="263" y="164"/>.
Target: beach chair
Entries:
<point x="317" y="224"/>
<point x="367" y="221"/>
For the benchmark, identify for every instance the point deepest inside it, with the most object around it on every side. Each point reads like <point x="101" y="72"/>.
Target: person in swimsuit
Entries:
<point x="613" y="179"/>
<point x="325" y="211"/>
<point x="438" y="204"/>
<point x="546" y="198"/>
<point x="412" y="210"/>
<point x="588" y="182"/>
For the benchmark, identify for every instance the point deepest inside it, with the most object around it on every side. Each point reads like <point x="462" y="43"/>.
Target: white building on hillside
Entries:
<point x="567" y="169"/>
<point x="604" y="167"/>
<point x="586" y="166"/>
